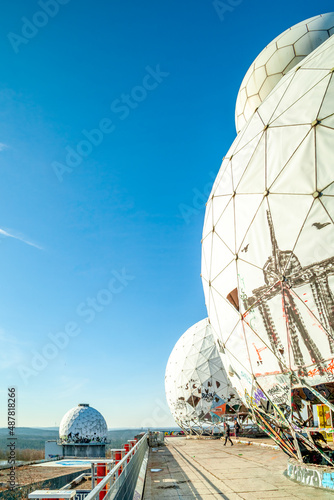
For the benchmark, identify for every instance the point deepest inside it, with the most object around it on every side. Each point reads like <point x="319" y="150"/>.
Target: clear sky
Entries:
<point x="114" y="118"/>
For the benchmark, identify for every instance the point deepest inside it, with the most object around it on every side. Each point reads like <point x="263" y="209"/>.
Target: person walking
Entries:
<point x="227" y="432"/>
<point x="237" y="428"/>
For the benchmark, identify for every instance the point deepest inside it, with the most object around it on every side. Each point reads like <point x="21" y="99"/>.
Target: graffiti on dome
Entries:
<point x="282" y="273"/>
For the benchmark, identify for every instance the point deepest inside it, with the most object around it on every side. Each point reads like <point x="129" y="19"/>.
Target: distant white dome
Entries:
<point x="198" y="390"/>
<point x="83" y="423"/>
<point x="282" y="54"/>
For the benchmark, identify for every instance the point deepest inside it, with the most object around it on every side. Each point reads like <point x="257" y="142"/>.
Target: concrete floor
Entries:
<point x="206" y="469"/>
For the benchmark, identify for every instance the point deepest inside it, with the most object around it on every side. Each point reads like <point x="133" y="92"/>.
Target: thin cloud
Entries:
<point x="12" y="352"/>
<point x="20" y="238"/>
<point x="71" y="386"/>
<point x="10" y="339"/>
<point x="3" y="146"/>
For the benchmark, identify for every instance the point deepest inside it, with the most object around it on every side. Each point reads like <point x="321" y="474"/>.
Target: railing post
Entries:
<point x="133" y="442"/>
<point x="126" y="446"/>
<point x="101" y="472"/>
<point x="100" y="468"/>
<point x="93" y="474"/>
<point x="118" y="455"/>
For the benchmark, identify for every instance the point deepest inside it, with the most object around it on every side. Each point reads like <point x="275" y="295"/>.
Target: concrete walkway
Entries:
<point x="207" y="469"/>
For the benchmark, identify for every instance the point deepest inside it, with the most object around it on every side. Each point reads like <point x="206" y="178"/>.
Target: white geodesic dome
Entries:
<point x="198" y="391"/>
<point x="282" y="54"/>
<point x="83" y="424"/>
<point x="268" y="240"/>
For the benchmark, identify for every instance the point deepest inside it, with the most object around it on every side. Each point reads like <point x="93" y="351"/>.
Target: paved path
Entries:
<point x="208" y="469"/>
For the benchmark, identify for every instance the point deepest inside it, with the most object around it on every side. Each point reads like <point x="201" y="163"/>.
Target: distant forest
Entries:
<point x="34" y="439"/>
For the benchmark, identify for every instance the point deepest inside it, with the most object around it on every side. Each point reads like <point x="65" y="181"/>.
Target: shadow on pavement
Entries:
<point x="169" y="478"/>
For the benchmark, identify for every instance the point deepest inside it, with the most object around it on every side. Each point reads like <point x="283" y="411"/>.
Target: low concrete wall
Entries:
<point x="139" y="489"/>
<point x="311" y="475"/>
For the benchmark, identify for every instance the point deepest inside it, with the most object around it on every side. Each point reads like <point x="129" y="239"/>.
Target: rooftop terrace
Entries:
<point x="207" y="469"/>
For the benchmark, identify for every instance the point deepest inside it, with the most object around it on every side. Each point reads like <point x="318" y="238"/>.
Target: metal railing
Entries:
<point x="121" y="481"/>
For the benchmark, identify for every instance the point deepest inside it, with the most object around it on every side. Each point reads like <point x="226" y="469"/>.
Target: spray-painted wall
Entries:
<point x="317" y="476"/>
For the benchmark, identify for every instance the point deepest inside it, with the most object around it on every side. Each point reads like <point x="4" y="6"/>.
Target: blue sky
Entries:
<point x="100" y="253"/>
